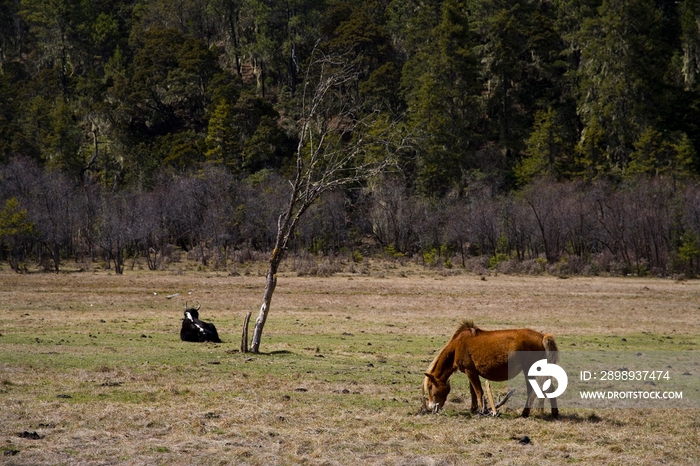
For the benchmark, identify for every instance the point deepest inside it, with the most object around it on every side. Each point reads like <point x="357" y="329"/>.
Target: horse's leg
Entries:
<point x="477" y="391"/>
<point x="473" y="394"/>
<point x="528" y="401"/>
<point x="527" y="360"/>
<point x="555" y="409"/>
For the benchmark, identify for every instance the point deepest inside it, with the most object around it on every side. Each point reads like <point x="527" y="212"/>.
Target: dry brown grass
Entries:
<point x="339" y="383"/>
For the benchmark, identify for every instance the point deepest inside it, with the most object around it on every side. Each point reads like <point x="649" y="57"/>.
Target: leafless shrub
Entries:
<point x="324" y="229"/>
<point x="241" y="256"/>
<point x="117" y="226"/>
<point x="512" y="266"/>
<point x="306" y="264"/>
<point x="200" y="254"/>
<point x="328" y="267"/>
<point x="325" y="268"/>
<point x="394" y="215"/>
<point x="533" y="267"/>
<point x="639" y="227"/>
<point x="478" y="265"/>
<point x="445" y="272"/>
<point x="568" y="265"/>
<point x="169" y="255"/>
<point x="617" y="267"/>
<point x="302" y="260"/>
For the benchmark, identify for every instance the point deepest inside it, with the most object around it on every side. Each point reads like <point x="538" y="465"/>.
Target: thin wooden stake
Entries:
<point x="244" y="335"/>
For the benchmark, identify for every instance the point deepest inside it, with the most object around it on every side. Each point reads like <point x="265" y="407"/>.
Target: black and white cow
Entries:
<point x="194" y="329"/>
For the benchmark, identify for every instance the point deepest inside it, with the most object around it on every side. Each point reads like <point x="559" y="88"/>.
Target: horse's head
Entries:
<point x="435" y="392"/>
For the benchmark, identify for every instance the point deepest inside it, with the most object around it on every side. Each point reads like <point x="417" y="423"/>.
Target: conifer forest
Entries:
<point x="524" y="136"/>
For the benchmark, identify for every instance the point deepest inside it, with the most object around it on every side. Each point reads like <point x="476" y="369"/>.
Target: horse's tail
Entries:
<point x="550" y="347"/>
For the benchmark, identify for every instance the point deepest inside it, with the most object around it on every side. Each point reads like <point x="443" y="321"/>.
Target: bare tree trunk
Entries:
<point x="233" y="14"/>
<point x="201" y="252"/>
<point x="64" y="68"/>
<point x="292" y="69"/>
<point x="270" y="284"/>
<point x="259" y="72"/>
<point x="55" y="251"/>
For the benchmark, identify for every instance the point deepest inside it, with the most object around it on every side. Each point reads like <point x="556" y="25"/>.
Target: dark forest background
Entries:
<point x="541" y="136"/>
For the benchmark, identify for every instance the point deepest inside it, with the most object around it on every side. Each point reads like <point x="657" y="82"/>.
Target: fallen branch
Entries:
<point x="505" y="400"/>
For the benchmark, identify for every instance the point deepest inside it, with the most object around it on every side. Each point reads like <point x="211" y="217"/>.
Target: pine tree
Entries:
<point x="442" y="91"/>
<point x="622" y="66"/>
<point x="519" y="53"/>
<point x="547" y="153"/>
<point x="690" y="24"/>
<point x="656" y="154"/>
<point x="220" y="140"/>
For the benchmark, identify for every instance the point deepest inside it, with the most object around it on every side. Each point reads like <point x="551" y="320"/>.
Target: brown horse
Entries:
<point x="486" y="353"/>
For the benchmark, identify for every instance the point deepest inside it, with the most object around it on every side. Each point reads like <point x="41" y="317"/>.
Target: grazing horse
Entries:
<point x="196" y="330"/>
<point x="486" y="353"/>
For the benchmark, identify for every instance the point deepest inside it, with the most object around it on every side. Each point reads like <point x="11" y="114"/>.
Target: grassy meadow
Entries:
<point x="92" y="370"/>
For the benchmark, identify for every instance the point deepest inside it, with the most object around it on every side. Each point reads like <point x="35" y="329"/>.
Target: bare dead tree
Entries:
<point x="54" y="212"/>
<point x="396" y="217"/>
<point x="340" y="144"/>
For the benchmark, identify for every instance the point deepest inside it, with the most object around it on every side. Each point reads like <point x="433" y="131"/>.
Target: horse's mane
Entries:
<point x="448" y="357"/>
<point x="466" y="324"/>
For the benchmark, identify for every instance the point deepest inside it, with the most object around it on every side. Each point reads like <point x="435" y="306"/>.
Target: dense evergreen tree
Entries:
<point x="471" y="79"/>
<point x="548" y="152"/>
<point x="442" y="94"/>
<point x="519" y="49"/>
<point x="621" y="74"/>
<point x="479" y="101"/>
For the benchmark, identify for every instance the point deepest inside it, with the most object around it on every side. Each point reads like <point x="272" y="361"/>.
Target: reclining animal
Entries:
<point x="196" y="330"/>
